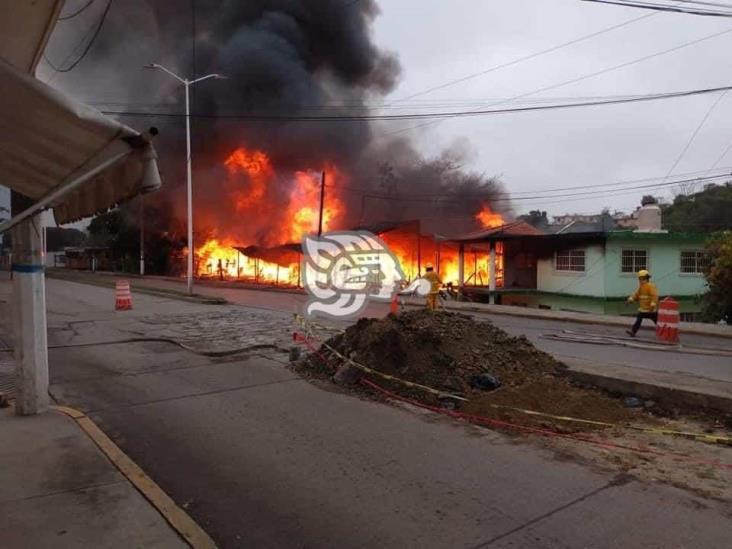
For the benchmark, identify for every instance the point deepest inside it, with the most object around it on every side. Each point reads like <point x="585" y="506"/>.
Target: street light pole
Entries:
<point x="189" y="172"/>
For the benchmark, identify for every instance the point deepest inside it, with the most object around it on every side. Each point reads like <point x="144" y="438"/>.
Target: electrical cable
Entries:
<point x="524" y="58"/>
<point x="495" y="197"/>
<point x="694" y="134"/>
<point x="79" y="11"/>
<point x="555" y="189"/>
<point x="421" y="116"/>
<point x="593" y="74"/>
<point x="665" y="8"/>
<point x="88" y="46"/>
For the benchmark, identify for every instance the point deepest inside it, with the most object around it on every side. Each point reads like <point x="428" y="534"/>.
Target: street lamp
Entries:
<point x="188" y="83"/>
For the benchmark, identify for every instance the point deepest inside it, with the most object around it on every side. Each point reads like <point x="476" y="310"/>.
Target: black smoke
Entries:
<point x="282" y="58"/>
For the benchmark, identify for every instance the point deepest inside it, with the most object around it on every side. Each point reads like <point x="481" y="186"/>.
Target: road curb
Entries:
<point x="171" y="294"/>
<point x="178" y="519"/>
<point x="666" y="395"/>
<point x="526" y="312"/>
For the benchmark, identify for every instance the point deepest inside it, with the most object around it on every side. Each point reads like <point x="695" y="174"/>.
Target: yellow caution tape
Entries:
<point x="308" y="325"/>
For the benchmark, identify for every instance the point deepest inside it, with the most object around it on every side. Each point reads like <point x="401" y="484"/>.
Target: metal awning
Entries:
<point x="61" y="153"/>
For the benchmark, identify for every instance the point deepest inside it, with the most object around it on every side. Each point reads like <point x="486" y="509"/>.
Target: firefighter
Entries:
<point x="647" y="297"/>
<point x="431" y="276"/>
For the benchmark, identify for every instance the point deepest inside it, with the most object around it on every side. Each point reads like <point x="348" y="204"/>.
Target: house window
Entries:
<point x="694" y="262"/>
<point x="632" y="261"/>
<point x="570" y="260"/>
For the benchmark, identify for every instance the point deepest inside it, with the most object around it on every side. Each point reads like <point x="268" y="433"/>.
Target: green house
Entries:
<point x="587" y="271"/>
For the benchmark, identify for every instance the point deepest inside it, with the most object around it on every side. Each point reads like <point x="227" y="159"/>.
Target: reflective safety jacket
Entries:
<point x="434" y="281"/>
<point x="647" y="297"/>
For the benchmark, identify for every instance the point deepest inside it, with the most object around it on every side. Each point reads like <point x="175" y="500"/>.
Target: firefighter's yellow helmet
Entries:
<point x="644" y="274"/>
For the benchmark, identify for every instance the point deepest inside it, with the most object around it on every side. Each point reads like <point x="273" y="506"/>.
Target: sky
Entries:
<point x="438" y="41"/>
<point x="441" y="41"/>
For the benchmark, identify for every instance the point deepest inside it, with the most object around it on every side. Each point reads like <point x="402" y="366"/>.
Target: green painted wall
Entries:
<point x="664" y="260"/>
<point x="590" y="283"/>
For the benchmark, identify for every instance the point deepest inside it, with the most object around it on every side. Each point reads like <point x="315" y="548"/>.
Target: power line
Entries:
<point x="695" y="133"/>
<point x="88" y="46"/>
<point x="421" y="116"/>
<point x="77" y="12"/>
<point x="665" y="7"/>
<point x="596" y="73"/>
<point x="488" y="195"/>
<point x="448" y="199"/>
<point x="524" y="58"/>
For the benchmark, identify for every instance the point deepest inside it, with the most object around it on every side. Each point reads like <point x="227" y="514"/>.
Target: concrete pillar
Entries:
<point x="492" y="273"/>
<point x="29" y="318"/>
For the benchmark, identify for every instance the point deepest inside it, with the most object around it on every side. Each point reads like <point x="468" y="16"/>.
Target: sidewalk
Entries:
<point x="57" y="489"/>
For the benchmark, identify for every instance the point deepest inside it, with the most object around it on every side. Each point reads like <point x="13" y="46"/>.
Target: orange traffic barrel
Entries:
<point x="667" y="327"/>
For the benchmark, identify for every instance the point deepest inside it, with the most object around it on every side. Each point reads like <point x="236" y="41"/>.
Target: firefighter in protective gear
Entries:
<point x="647" y="297"/>
<point x="431" y="276"/>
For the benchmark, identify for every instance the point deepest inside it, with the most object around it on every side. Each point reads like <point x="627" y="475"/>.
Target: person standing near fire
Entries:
<point x="647" y="297"/>
<point x="431" y="276"/>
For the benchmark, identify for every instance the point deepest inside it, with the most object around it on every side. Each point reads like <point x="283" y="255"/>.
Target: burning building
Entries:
<point x="304" y="76"/>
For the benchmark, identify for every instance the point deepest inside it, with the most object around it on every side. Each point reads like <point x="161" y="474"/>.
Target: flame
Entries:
<point x="297" y="217"/>
<point x="488" y="218"/>
<point x="257" y="166"/>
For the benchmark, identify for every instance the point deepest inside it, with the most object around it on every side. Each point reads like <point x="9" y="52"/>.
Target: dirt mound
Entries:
<point x="453" y="353"/>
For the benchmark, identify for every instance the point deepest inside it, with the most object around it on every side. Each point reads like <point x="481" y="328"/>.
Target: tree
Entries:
<point x="58" y="238"/>
<point x="706" y="211"/>
<point x="119" y="230"/>
<point x="717" y="302"/>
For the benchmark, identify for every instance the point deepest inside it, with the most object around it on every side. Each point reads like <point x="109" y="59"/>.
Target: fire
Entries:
<point x="488" y="218"/>
<point x="252" y="176"/>
<point x="216" y="257"/>
<point x="304" y="205"/>
<point x="257" y="166"/>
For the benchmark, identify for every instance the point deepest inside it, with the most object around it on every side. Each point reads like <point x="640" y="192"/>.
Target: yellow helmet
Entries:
<point x="644" y="274"/>
<point x="429" y="266"/>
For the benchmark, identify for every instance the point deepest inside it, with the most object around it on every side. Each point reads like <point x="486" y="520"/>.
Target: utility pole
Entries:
<point x="29" y="312"/>
<point x="322" y="203"/>
<point x="189" y="177"/>
<point x="142" y="237"/>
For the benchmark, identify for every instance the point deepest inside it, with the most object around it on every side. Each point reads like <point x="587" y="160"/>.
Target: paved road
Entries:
<point x="717" y="368"/>
<point x="263" y="458"/>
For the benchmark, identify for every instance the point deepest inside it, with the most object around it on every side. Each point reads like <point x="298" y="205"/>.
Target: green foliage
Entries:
<point x="58" y="238"/>
<point x="119" y="230"/>
<point x="717" y="302"/>
<point x="704" y="212"/>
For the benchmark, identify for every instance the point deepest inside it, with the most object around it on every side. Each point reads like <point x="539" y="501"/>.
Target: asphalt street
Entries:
<point x="712" y="367"/>
<point x="262" y="458"/>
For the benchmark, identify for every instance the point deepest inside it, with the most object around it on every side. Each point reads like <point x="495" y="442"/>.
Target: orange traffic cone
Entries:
<point x="123" y="297"/>
<point x="394" y="306"/>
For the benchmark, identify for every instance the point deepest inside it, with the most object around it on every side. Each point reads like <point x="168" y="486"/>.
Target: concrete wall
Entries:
<point x="590" y="283"/>
<point x="664" y="263"/>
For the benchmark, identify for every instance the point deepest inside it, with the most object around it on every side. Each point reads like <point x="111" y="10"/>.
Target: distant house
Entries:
<point x="587" y="269"/>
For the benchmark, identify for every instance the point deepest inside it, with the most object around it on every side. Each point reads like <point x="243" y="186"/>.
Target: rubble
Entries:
<point x="459" y="355"/>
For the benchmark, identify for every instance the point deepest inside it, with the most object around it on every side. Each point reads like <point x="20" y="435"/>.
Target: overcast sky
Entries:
<point x="438" y="41"/>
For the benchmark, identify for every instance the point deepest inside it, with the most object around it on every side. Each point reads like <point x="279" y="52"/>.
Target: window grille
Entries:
<point x="694" y="262"/>
<point x="570" y="260"/>
<point x="632" y="261"/>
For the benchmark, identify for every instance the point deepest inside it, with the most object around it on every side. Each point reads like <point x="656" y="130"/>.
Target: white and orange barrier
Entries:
<point x="667" y="327"/>
<point x="123" y="296"/>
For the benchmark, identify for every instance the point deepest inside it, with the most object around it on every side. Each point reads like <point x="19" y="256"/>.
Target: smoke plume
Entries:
<point x="281" y="58"/>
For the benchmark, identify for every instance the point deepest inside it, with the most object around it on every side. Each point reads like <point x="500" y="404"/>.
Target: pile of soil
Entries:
<point x="448" y="351"/>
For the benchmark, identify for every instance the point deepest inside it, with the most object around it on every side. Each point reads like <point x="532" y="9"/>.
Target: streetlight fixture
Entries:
<point x="187" y="84"/>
